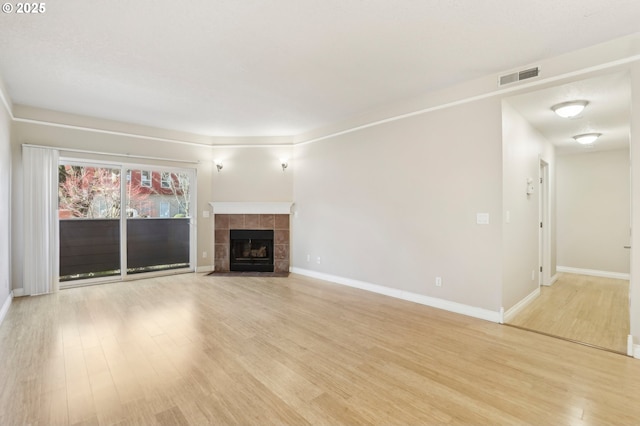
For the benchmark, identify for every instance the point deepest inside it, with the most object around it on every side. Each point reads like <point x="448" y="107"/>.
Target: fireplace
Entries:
<point x="251" y="250"/>
<point x="251" y="216"/>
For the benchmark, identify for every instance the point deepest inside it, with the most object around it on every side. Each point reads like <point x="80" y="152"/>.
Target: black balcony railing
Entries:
<point x="91" y="247"/>
<point x="159" y="243"/>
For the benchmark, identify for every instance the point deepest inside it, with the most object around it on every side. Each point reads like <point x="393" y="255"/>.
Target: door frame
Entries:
<point x="544" y="218"/>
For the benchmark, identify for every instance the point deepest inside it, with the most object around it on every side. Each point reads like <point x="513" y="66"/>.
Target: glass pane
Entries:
<point x="89" y="214"/>
<point x="158" y="229"/>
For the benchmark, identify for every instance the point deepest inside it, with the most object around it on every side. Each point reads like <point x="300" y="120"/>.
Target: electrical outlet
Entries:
<point x="204" y="254"/>
<point x="438" y="281"/>
<point x="308" y="258"/>
<point x="533" y="274"/>
<point x="318" y="260"/>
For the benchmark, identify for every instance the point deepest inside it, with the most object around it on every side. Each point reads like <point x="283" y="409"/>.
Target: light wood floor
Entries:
<point x="587" y="309"/>
<point x="192" y="349"/>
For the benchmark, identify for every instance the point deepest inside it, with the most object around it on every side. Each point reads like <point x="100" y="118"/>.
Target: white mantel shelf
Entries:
<point x="251" y="208"/>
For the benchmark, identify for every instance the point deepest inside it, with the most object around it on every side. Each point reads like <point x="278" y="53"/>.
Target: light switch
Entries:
<point x="482" y="218"/>
<point x="205" y="213"/>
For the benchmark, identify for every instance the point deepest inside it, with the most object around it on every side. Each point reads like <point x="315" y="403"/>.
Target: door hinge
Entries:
<point x="540" y="224"/>
<point x="541" y="269"/>
<point x="540" y="180"/>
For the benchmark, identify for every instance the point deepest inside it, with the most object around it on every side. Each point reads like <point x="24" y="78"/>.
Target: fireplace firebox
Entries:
<point x="251" y="250"/>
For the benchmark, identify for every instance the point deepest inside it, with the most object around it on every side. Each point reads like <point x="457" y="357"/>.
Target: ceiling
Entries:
<point x="608" y="112"/>
<point x="279" y="67"/>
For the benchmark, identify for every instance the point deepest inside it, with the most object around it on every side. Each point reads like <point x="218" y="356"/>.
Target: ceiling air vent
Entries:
<point x="518" y="76"/>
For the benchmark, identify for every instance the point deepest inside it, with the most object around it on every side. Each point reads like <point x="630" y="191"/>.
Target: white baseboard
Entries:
<point x="512" y="311"/>
<point x="594" y="273"/>
<point x="434" y="302"/>
<point x="5" y="307"/>
<point x="552" y="281"/>
<point x="205" y="268"/>
<point x="632" y="349"/>
<point x="18" y="292"/>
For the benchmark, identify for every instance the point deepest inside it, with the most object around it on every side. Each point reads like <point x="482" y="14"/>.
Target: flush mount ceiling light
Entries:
<point x="569" y="109"/>
<point x="587" y="138"/>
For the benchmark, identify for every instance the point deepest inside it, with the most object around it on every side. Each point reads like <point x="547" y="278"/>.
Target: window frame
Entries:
<point x="146" y="183"/>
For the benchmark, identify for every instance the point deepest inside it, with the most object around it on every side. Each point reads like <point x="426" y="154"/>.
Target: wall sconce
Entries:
<point x="218" y="165"/>
<point x="284" y="163"/>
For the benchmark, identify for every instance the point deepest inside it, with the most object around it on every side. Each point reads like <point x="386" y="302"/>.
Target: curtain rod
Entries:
<point x="84" y="151"/>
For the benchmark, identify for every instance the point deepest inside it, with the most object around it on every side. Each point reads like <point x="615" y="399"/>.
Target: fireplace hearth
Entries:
<point x="251" y="250"/>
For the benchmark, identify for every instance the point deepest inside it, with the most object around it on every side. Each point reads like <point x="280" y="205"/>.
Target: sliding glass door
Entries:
<point x="120" y="220"/>
<point x="89" y="214"/>
<point x="158" y="220"/>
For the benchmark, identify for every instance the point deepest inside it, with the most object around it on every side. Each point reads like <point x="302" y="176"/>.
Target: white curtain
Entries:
<point x="41" y="262"/>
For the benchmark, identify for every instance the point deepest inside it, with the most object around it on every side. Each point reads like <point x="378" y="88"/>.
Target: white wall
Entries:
<point x="253" y="174"/>
<point x="5" y="203"/>
<point x="593" y="210"/>
<point x="395" y="204"/>
<point x="523" y="148"/>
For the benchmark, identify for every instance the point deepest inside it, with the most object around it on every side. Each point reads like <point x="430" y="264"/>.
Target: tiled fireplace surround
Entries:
<point x="278" y="222"/>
